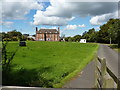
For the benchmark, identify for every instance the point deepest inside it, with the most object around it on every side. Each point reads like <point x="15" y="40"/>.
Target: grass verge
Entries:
<point x="47" y="64"/>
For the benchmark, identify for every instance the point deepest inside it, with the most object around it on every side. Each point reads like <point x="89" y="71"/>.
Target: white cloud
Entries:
<point x="95" y="20"/>
<point x="49" y="28"/>
<point x="14" y="9"/>
<point x="73" y="27"/>
<point x="0" y="11"/>
<point x="98" y="20"/>
<point x="69" y="0"/>
<point x="43" y="27"/>
<point x="64" y="8"/>
<point x="54" y="28"/>
<point x="41" y="19"/>
<point x="60" y="11"/>
<point x="83" y="25"/>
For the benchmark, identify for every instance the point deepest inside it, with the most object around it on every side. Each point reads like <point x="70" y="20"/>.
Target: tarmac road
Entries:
<point x="111" y="57"/>
<point x="87" y="78"/>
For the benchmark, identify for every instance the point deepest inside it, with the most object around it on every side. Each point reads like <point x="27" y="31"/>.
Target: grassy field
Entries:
<point x="47" y="64"/>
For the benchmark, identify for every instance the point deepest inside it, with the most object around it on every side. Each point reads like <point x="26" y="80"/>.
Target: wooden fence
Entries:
<point x="105" y="78"/>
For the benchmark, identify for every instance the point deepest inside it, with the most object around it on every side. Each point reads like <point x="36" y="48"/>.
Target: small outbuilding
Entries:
<point x="82" y="40"/>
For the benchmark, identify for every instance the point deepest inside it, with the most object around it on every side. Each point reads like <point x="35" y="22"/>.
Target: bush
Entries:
<point x="7" y="39"/>
<point x="14" y="39"/>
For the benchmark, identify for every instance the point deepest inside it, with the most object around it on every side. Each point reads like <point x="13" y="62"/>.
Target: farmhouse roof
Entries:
<point x="48" y="31"/>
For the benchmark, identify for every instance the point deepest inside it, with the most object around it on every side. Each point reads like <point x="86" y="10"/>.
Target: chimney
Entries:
<point x="36" y="29"/>
<point x="59" y="34"/>
<point x="59" y="30"/>
<point x="36" y="34"/>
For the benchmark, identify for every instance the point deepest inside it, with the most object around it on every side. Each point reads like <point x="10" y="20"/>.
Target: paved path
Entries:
<point x="84" y="80"/>
<point x="111" y="57"/>
<point x="87" y="78"/>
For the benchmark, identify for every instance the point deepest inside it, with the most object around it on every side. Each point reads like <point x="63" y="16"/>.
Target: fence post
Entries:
<point x="118" y="84"/>
<point x="100" y="73"/>
<point x="105" y="78"/>
<point x="109" y="83"/>
<point x="103" y="72"/>
<point x="96" y="71"/>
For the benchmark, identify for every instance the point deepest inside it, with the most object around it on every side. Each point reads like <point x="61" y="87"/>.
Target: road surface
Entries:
<point x="84" y="80"/>
<point x="111" y="57"/>
<point x="87" y="78"/>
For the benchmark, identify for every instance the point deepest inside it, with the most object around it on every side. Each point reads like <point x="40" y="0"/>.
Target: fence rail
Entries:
<point x="105" y="78"/>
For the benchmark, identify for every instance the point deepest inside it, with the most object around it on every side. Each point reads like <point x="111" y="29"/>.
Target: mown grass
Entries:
<point x="47" y="64"/>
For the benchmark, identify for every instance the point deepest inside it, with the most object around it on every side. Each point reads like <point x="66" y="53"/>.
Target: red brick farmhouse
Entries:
<point x="47" y="34"/>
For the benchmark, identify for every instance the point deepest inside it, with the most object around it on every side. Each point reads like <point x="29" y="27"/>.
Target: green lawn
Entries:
<point x="48" y="64"/>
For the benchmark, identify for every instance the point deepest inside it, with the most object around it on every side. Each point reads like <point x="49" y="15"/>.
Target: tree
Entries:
<point x="6" y="61"/>
<point x="71" y="39"/>
<point x="118" y="38"/>
<point x="113" y="29"/>
<point x="103" y="35"/>
<point x="108" y="32"/>
<point x="67" y="38"/>
<point x="15" y="34"/>
<point x="77" y="38"/>
<point x="90" y="35"/>
<point x="12" y="35"/>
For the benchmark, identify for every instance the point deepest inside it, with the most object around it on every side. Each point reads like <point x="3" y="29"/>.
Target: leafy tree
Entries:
<point x="90" y="35"/>
<point x="15" y="34"/>
<point x="103" y="35"/>
<point x="67" y="38"/>
<point x="12" y="35"/>
<point x="6" y="61"/>
<point x="113" y="29"/>
<point x="71" y="39"/>
<point x="4" y="35"/>
<point x="108" y="32"/>
<point x="77" y="38"/>
<point x="118" y="38"/>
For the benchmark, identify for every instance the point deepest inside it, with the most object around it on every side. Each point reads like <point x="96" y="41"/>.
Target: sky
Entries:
<point x="73" y="17"/>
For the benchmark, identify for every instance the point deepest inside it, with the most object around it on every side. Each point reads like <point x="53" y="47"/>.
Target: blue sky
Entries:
<point x="72" y="18"/>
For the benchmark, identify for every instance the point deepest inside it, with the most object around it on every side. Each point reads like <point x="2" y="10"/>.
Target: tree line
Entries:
<point x="14" y="35"/>
<point x="108" y="33"/>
